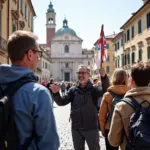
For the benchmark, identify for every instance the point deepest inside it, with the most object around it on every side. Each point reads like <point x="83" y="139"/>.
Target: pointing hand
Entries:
<point x="55" y="88"/>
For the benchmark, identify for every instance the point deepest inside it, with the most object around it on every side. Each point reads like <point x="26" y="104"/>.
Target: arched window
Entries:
<point x="50" y="21"/>
<point x="66" y="49"/>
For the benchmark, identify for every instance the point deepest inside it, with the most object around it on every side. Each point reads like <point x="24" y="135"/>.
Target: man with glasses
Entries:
<point x="32" y="103"/>
<point x="83" y="98"/>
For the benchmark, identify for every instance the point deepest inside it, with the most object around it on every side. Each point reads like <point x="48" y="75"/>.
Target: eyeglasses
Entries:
<point x="36" y="51"/>
<point x="39" y="52"/>
<point x="83" y="73"/>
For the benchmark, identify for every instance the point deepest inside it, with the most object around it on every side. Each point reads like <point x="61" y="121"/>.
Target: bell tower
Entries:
<point x="50" y="24"/>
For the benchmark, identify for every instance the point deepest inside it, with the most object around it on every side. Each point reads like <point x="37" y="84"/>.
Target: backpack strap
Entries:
<point x="112" y="94"/>
<point x="12" y="87"/>
<point x="132" y="102"/>
<point x="10" y="91"/>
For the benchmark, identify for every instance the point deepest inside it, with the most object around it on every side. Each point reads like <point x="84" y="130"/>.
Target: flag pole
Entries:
<point x="102" y="46"/>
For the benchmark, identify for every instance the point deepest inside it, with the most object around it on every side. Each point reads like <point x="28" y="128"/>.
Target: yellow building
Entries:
<point x="14" y="15"/>
<point x="119" y="52"/>
<point x="109" y="64"/>
<point x="136" y="37"/>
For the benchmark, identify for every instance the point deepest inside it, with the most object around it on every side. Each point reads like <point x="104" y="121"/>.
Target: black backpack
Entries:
<point x="9" y="139"/>
<point x="139" y="126"/>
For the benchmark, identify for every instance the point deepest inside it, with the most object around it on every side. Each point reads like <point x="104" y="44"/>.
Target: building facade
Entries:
<point x="108" y="65"/>
<point x="65" y="49"/>
<point x="119" y="53"/>
<point x="14" y="15"/>
<point x="136" y="37"/>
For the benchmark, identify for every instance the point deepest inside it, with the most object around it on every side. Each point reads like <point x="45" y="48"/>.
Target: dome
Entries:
<point x="50" y="9"/>
<point x="65" y="29"/>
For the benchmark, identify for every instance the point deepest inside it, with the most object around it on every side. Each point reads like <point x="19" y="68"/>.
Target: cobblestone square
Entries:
<point x="64" y="128"/>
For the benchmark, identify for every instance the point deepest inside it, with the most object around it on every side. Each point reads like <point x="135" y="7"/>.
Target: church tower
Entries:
<point x="50" y="24"/>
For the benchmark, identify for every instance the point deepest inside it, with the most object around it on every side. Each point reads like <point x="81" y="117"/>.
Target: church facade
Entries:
<point x="65" y="49"/>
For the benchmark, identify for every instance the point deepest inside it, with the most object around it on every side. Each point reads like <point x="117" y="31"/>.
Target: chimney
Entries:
<point x="145" y="1"/>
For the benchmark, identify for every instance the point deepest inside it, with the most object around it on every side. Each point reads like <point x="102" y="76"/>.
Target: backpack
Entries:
<point x="9" y="139"/>
<point x="139" y="126"/>
<point x="116" y="98"/>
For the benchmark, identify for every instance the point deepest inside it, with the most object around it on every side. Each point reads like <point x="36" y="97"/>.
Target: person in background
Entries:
<point x="99" y="85"/>
<point x="95" y="81"/>
<point x="138" y="82"/>
<point x="118" y="87"/>
<point x="43" y="83"/>
<point x="63" y="88"/>
<point x="68" y="86"/>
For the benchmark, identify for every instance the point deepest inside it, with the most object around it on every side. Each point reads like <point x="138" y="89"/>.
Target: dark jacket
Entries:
<point x="62" y="101"/>
<point x="48" y="87"/>
<point x="82" y="104"/>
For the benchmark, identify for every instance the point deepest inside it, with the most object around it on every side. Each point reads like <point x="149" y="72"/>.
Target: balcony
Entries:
<point x="3" y="44"/>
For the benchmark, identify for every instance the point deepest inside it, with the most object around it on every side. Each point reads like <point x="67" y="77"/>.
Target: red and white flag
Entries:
<point x="101" y="53"/>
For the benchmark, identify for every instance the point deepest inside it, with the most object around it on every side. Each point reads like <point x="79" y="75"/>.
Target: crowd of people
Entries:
<point x="119" y="106"/>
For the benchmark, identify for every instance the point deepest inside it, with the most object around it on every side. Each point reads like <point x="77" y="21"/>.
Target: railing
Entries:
<point x="3" y="44"/>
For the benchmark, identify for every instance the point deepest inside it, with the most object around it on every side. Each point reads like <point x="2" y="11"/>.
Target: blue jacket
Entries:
<point x="32" y="103"/>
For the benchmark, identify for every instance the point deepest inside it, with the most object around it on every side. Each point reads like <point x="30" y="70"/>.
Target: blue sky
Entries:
<point x="85" y="16"/>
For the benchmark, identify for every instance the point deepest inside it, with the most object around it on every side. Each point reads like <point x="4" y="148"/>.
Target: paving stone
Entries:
<point x="62" y="114"/>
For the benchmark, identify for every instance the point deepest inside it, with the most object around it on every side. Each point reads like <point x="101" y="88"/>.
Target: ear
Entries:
<point x="29" y="55"/>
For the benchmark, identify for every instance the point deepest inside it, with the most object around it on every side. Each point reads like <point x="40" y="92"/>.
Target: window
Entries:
<point x="125" y="59"/>
<point x="148" y="20"/>
<point x="45" y="65"/>
<point x="21" y="5"/>
<point x="31" y="23"/>
<point x="121" y="42"/>
<point x="122" y="60"/>
<point x="140" y="54"/>
<point x="66" y="65"/>
<point x="107" y="46"/>
<point x="125" y="37"/>
<point x="118" y="61"/>
<point x="14" y="27"/>
<point x="128" y="57"/>
<point x="108" y="58"/>
<point x="132" y="32"/>
<point x="25" y="11"/>
<point x="128" y="35"/>
<point x="133" y="57"/>
<point x="66" y="49"/>
<point x="115" y="47"/>
<point x="107" y="69"/>
<point x="140" y="26"/>
<point x="88" y="62"/>
<point x="148" y="52"/>
<point x="118" y="45"/>
<point x="28" y="18"/>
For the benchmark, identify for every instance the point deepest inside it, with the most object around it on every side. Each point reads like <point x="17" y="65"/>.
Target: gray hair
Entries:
<point x="84" y="67"/>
